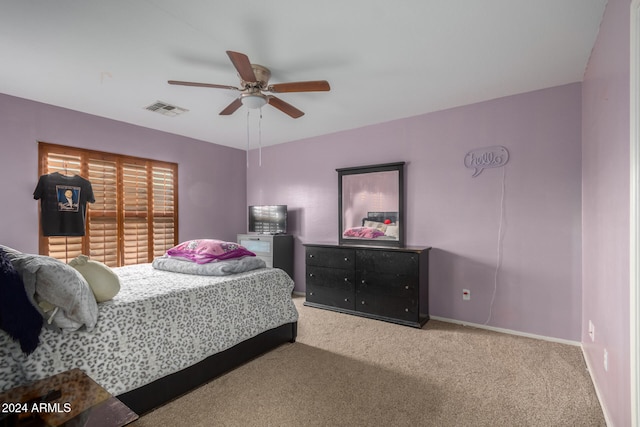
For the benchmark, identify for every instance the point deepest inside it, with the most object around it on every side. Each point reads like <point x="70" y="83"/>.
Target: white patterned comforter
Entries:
<point x="159" y="323"/>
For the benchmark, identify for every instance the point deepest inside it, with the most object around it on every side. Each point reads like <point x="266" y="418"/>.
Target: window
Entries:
<point x="135" y="215"/>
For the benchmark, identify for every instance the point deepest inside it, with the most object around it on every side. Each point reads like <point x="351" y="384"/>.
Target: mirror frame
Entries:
<point x="398" y="166"/>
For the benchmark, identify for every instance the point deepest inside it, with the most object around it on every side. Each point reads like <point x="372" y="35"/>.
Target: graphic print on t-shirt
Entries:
<point x="68" y="197"/>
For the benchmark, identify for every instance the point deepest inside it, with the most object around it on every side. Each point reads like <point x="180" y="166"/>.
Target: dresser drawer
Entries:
<point x="388" y="285"/>
<point x="330" y="296"/>
<point x="389" y="262"/>
<point x="260" y="245"/>
<point x="331" y="277"/>
<point x="385" y="306"/>
<point x="330" y="257"/>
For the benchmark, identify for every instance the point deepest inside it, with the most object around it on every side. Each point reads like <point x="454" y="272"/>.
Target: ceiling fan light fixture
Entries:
<point x="253" y="100"/>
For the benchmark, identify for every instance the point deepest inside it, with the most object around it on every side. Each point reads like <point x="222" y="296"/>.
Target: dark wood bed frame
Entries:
<point x="160" y="391"/>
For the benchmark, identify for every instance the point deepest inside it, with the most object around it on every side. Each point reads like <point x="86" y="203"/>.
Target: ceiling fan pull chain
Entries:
<point x="260" y="139"/>
<point x="248" y="110"/>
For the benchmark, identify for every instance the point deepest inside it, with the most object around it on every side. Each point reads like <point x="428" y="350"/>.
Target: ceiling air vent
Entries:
<point x="165" y="109"/>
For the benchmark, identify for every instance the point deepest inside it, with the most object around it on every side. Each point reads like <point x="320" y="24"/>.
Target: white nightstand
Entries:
<point x="276" y="250"/>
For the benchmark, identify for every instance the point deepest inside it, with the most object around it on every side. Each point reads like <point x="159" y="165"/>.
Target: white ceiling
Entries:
<point x="383" y="59"/>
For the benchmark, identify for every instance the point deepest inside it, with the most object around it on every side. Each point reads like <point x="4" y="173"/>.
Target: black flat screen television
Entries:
<point x="268" y="219"/>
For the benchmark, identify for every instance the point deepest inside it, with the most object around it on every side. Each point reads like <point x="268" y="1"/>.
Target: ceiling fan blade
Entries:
<point x="285" y="107"/>
<point x="231" y="108"/>
<point x="312" y="86"/>
<point x="243" y="65"/>
<point x="211" y="85"/>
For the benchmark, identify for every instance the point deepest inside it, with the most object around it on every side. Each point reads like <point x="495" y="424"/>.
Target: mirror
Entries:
<point x="370" y="205"/>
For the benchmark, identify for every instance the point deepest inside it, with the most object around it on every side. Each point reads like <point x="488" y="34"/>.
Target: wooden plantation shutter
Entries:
<point x="103" y="214"/>
<point x="164" y="209"/>
<point x="135" y="216"/>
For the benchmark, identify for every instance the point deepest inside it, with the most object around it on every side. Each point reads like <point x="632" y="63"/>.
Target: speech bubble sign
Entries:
<point x="486" y="157"/>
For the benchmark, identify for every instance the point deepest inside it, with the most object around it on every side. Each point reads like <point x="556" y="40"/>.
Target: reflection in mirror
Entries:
<point x="370" y="203"/>
<point x="366" y="193"/>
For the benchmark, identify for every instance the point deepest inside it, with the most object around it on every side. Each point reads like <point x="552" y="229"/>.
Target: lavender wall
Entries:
<point x="539" y="282"/>
<point x="606" y="225"/>
<point x="211" y="178"/>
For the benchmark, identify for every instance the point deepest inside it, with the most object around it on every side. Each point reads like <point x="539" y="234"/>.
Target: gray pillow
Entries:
<point x="10" y="252"/>
<point x="59" y="290"/>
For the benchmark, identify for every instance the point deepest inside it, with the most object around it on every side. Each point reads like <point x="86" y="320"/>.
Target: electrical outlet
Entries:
<point x="592" y="331"/>
<point x="466" y="294"/>
<point x="606" y="360"/>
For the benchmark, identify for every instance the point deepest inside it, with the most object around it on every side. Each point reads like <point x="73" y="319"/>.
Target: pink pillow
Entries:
<point x="203" y="251"/>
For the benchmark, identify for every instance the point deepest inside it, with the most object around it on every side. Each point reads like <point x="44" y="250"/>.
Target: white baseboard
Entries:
<point x="507" y="331"/>
<point x="607" y="419"/>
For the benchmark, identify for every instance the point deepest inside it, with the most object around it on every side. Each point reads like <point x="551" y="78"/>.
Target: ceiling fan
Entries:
<point x="254" y="81"/>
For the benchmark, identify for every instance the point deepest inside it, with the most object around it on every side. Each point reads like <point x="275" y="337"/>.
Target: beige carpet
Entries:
<point x="350" y="371"/>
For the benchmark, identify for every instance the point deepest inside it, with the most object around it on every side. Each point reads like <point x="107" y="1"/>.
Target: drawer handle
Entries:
<point x="310" y="274"/>
<point x="364" y="282"/>
<point x="406" y="287"/>
<point x="310" y="255"/>
<point x="346" y="279"/>
<point x="346" y="259"/>
<point x="406" y="309"/>
<point x="346" y="300"/>
<point x="362" y="302"/>
<point x="310" y="293"/>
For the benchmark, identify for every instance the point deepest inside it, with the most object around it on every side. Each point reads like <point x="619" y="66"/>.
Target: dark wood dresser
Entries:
<point x="382" y="283"/>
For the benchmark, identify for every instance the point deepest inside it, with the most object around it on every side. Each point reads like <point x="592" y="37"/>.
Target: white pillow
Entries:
<point x="377" y="225"/>
<point x="104" y="283"/>
<point x="392" y="231"/>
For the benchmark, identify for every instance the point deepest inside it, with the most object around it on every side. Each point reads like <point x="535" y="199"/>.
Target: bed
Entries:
<point x="375" y="226"/>
<point x="164" y="333"/>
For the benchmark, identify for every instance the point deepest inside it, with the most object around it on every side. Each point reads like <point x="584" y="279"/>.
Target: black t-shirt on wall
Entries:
<point x="63" y="204"/>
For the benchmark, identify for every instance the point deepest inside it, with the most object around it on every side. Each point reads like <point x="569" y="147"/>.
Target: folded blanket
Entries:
<point x="217" y="268"/>
<point x="18" y="317"/>
<point x="363" y="232"/>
